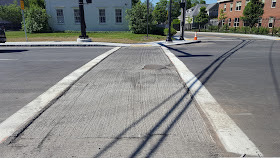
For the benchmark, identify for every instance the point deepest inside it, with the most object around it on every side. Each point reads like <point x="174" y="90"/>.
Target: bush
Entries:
<point x="275" y="30"/>
<point x="234" y="29"/>
<point x="172" y="31"/>
<point x="158" y="31"/>
<point x="263" y="30"/>
<point x="211" y="27"/>
<point x="225" y="27"/>
<point x="36" y="20"/>
<point x="175" y="21"/>
<point x="245" y="29"/>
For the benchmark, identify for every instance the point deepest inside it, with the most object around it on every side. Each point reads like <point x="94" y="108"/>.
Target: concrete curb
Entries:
<point x="93" y="44"/>
<point x="231" y="136"/>
<point x="15" y="124"/>
<point x="238" y="35"/>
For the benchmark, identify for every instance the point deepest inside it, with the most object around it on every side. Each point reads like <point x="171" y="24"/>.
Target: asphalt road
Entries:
<point x="28" y="72"/>
<point x="243" y="76"/>
<point x="124" y="107"/>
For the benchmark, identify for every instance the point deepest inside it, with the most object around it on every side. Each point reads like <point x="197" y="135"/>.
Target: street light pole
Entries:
<point x="83" y="24"/>
<point x="147" y="18"/>
<point x="183" y="10"/>
<point x="169" y="39"/>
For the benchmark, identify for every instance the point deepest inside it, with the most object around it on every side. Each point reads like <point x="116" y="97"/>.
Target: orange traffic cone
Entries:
<point x="195" y="37"/>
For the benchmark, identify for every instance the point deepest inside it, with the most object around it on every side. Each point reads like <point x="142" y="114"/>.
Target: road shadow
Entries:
<point x="214" y="67"/>
<point x="273" y="73"/>
<point x="12" y="51"/>
<point x="185" y="53"/>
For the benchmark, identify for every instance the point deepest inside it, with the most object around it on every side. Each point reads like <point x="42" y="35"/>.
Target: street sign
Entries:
<point x="22" y="4"/>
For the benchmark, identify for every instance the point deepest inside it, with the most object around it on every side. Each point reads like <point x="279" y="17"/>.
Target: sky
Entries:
<point x="207" y="1"/>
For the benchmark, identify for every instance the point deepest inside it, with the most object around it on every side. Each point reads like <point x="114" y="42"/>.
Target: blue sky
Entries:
<point x="207" y="1"/>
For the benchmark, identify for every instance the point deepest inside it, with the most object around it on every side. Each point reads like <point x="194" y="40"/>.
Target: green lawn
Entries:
<point x="116" y="37"/>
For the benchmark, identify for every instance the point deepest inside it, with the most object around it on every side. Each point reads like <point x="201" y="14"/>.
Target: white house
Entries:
<point x="100" y="15"/>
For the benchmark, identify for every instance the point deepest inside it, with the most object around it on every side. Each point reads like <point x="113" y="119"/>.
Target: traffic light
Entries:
<point x="89" y="1"/>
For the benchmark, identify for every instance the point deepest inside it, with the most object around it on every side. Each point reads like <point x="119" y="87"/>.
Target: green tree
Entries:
<point x="11" y="13"/>
<point x="222" y="15"/>
<point x="202" y="17"/>
<point x="188" y="4"/>
<point x="189" y="21"/>
<point x="252" y="12"/>
<point x="160" y="11"/>
<point x="195" y="2"/>
<point x="134" y="2"/>
<point x="137" y="17"/>
<point x="176" y="10"/>
<point x="39" y="3"/>
<point x="36" y="19"/>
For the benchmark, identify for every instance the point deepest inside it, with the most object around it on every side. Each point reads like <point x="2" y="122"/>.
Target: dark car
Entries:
<point x="2" y="35"/>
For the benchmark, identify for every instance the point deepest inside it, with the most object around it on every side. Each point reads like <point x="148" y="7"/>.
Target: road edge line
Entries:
<point x="19" y="121"/>
<point x="231" y="136"/>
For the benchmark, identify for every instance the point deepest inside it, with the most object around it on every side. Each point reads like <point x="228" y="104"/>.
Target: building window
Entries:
<point x="102" y="16"/>
<point x="236" y="22"/>
<point x="77" y="17"/>
<point x="245" y="23"/>
<point x="225" y="7"/>
<point x="260" y="22"/>
<point x="231" y="6"/>
<point x="60" y="16"/>
<point x="270" y="22"/>
<point x="238" y="5"/>
<point x="229" y="21"/>
<point x="273" y="3"/>
<point x="118" y="15"/>
<point x="263" y="1"/>
<point x="223" y="22"/>
<point x="247" y="1"/>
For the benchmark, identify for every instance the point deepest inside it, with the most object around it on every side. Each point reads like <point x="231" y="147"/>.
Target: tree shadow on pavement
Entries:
<point x="219" y="61"/>
<point x="273" y="74"/>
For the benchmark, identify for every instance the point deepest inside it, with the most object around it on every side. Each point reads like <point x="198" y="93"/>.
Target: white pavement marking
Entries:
<point x="16" y="123"/>
<point x="231" y="136"/>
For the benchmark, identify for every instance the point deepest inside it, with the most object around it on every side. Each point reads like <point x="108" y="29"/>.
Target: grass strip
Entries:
<point x="114" y="37"/>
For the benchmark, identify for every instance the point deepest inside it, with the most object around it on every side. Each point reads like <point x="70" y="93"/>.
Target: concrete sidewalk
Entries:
<point x="90" y="44"/>
<point x="132" y="104"/>
<point x="238" y="35"/>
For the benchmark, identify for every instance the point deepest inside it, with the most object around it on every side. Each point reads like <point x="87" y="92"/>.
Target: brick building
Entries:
<point x="234" y="10"/>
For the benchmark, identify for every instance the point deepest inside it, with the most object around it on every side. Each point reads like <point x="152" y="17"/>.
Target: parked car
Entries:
<point x="2" y="35"/>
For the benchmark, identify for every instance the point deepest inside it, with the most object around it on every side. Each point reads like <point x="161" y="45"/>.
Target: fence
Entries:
<point x="236" y="25"/>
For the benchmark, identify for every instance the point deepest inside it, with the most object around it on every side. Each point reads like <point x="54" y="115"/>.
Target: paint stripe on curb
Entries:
<point x="15" y="124"/>
<point x="231" y="136"/>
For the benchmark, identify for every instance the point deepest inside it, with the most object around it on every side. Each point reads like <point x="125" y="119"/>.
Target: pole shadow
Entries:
<point x="12" y="51"/>
<point x="219" y="61"/>
<point x="222" y="59"/>
<point x="185" y="53"/>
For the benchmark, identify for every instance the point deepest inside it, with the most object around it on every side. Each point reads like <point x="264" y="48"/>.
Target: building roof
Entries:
<point x="7" y="2"/>
<point x="194" y="11"/>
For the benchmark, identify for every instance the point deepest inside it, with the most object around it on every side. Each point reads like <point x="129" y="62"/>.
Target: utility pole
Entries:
<point x="148" y="18"/>
<point x="83" y="37"/>
<point x="169" y="39"/>
<point x="183" y="12"/>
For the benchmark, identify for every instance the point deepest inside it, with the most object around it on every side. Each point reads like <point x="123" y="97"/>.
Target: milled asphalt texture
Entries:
<point x="132" y="104"/>
<point x="29" y="72"/>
